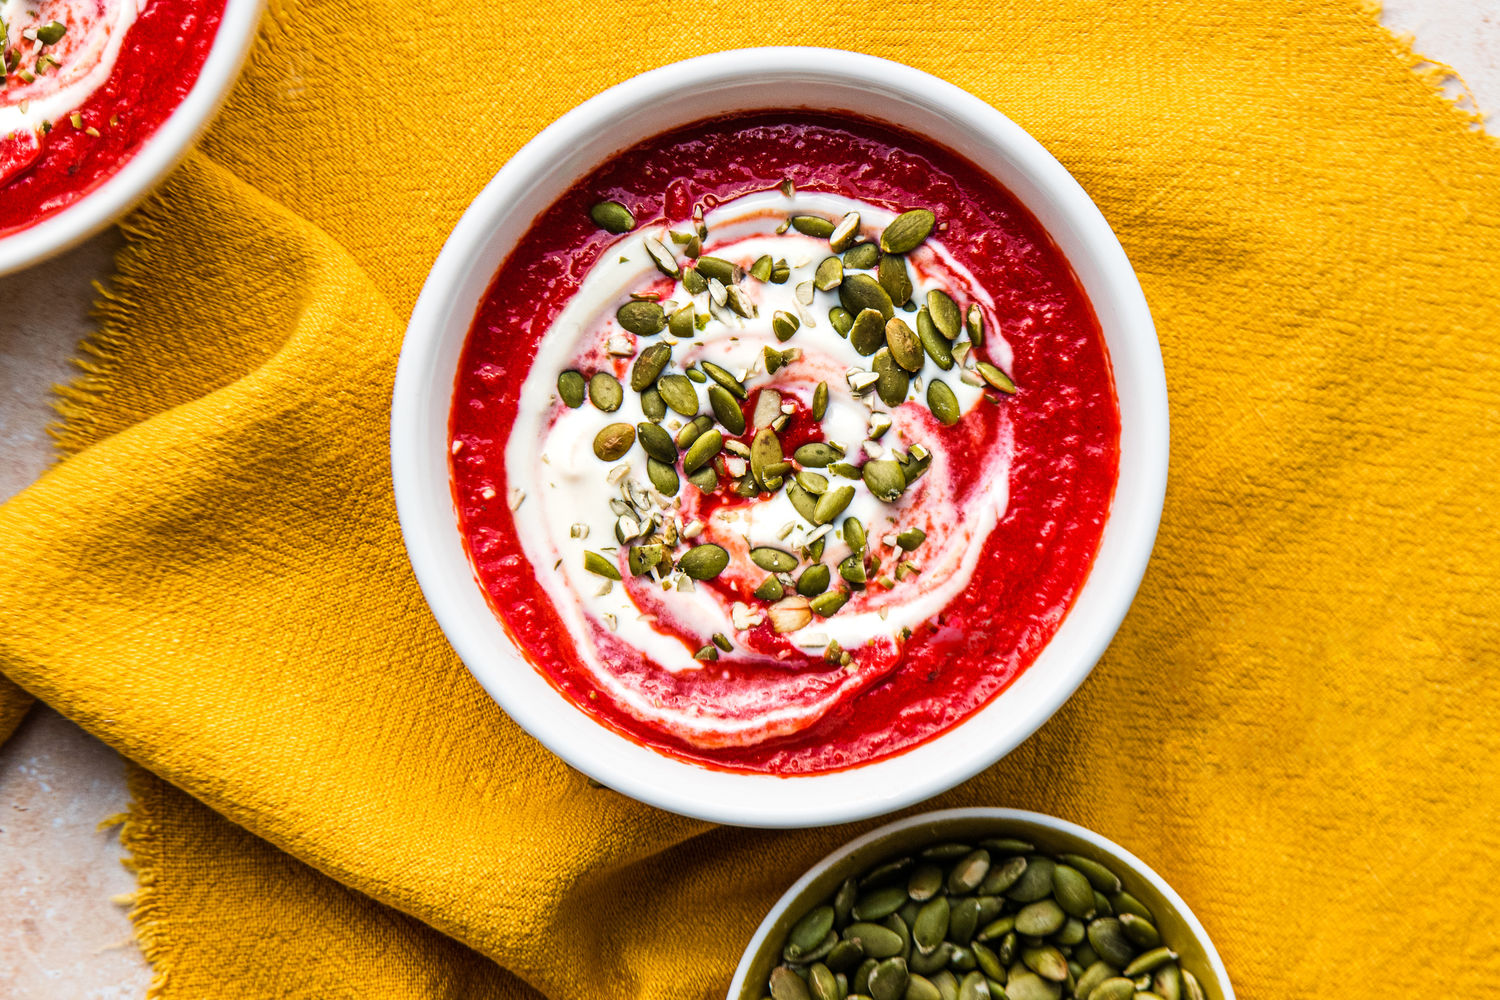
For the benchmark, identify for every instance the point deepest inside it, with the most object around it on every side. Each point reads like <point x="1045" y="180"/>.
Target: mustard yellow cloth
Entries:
<point x="1298" y="723"/>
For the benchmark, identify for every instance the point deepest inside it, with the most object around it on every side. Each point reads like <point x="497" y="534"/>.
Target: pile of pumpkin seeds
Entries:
<point x="716" y="448"/>
<point x="994" y="920"/>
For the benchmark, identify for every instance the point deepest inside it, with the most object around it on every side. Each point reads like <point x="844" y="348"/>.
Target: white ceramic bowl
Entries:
<point x="646" y="106"/>
<point x="1180" y="929"/>
<point x="156" y="157"/>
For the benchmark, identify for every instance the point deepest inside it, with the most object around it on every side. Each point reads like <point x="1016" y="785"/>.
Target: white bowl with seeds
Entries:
<point x="434" y="499"/>
<point x="981" y="903"/>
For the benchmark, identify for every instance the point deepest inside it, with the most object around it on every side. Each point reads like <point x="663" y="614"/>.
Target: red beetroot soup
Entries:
<point x="783" y="443"/>
<point x="87" y="83"/>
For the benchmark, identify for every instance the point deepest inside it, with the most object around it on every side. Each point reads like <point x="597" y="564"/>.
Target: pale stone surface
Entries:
<point x="60" y="934"/>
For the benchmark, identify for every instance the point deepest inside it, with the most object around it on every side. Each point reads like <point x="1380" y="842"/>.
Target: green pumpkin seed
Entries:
<point x="961" y="959"/>
<point x="910" y="540"/>
<point x="775" y="360"/>
<point x="735" y="386"/>
<point x="1030" y="986"/>
<point x="695" y="283"/>
<point x="884" y="478"/>
<point x="813" y="581"/>
<point x="644" y="319"/>
<point x="934" y="964"/>
<point x="1073" y="933"/>
<point x="1149" y="961"/>
<point x="828" y="275"/>
<point x="921" y="988"/>
<point x="774" y="560"/>
<point x="571" y="388"/>
<point x="822" y="983"/>
<point x="893" y="277"/>
<point x="1191" y="988"/>
<point x="1167" y="981"/>
<point x="1003" y="875"/>
<point x="691" y="431"/>
<point x="704" y="562"/>
<point x="784" y="325"/>
<point x="770" y="589"/>
<point x="969" y="872"/>
<point x="803" y="502"/>
<point x="868" y="332"/>
<point x="1092" y="976"/>
<point x="843" y="901"/>
<point x="973" y="987"/>
<point x="820" y="401"/>
<point x="888" y="980"/>
<point x="975" y="325"/>
<point x="761" y="269"/>
<point x="682" y="324"/>
<point x="831" y="504"/>
<point x="717" y="267"/>
<point x="934" y="343"/>
<point x="1047" y="962"/>
<point x="1007" y="846"/>
<point x="907" y="231"/>
<point x="894" y="381"/>
<point x="787" y="985"/>
<point x="812" y="225"/>
<point x="677" y="392"/>
<point x="1073" y="891"/>
<point x="996" y="378"/>
<point x="1107" y="937"/>
<point x="944" y="313"/>
<point x="963" y="921"/>
<point x="1100" y="877"/>
<point x="903" y="344"/>
<point x="931" y="925"/>
<point x="852" y="569"/>
<point x="886" y="874"/>
<point x="878" y="942"/>
<point x="858" y="292"/>
<point x="765" y="456"/>
<point x="642" y="558"/>
<point x="663" y="476"/>
<point x="612" y="216"/>
<point x="1124" y="902"/>
<point x="600" y="566"/>
<point x="878" y="903"/>
<point x="1007" y="950"/>
<point x="859" y="984"/>
<point x="841" y="319"/>
<point x="816" y="454"/>
<point x="826" y="605"/>
<point x="854" y="537"/>
<point x="707" y="654"/>
<point x="701" y="451"/>
<point x="1035" y="882"/>
<point x="605" y="392"/>
<point x="726" y="409"/>
<point x="861" y="257"/>
<point x="807" y="933"/>
<point x="1114" y="988"/>
<point x="780" y="273"/>
<point x="844" y="233"/>
<point x="652" y="405"/>
<point x="812" y="482"/>
<point x="706" y="479"/>
<point x="988" y="961"/>
<point x="1040" y="919"/>
<point x="649" y="366"/>
<point x="611" y="443"/>
<point x="656" y="442"/>
<point x="997" y="928"/>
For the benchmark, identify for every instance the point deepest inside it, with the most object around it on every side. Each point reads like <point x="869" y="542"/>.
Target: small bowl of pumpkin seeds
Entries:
<point x="981" y="904"/>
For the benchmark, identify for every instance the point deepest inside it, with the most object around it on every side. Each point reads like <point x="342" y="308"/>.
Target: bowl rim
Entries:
<point x="1000" y="815"/>
<point x="668" y="782"/>
<point x="160" y="152"/>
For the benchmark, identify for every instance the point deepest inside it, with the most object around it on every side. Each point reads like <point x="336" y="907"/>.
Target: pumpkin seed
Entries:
<point x="812" y="225"/>
<point x="878" y="942"/>
<point x="656" y="442"/>
<point x="812" y="482"/>
<point x="1007" y="845"/>
<point x="944" y="313"/>
<point x="677" y="392"/>
<point x="735" y="386"/>
<point x="1047" y="962"/>
<point x="649" y="366"/>
<point x="683" y="323"/>
<point x="803" y="502"/>
<point x="931" y="926"/>
<point x="894" y="382"/>
<point x="1191" y="988"/>
<point x="702" y="450"/>
<point x="996" y="378"/>
<point x="662" y="257"/>
<point x="704" y="562"/>
<point x="903" y="344"/>
<point x="997" y="928"/>
<point x="1073" y="891"/>
<point x="784" y="325"/>
<point x="988" y="961"/>
<point x="961" y="959"/>
<point x="820" y="401"/>
<point x="934" y="965"/>
<point x="878" y="903"/>
<point x="774" y="560"/>
<point x="943" y="403"/>
<point x="1108" y="939"/>
<point x="787" y="985"/>
<point x="921" y="988"/>
<point x="1149" y="961"/>
<point x="831" y="504"/>
<point x="600" y="566"/>
<point x="884" y="478"/>
<point x="612" y="216"/>
<point x="827" y="605"/>
<point x="822" y="983"/>
<point x="765" y="453"/>
<point x="605" y="392"/>
<point x="770" y="589"/>
<point x="1040" y="919"/>
<point x="1114" y="988"/>
<point x="860" y="983"/>
<point x="844" y="470"/>
<point x="868" y="332"/>
<point x="1035" y="882"/>
<point x="726" y="409"/>
<point x="975" y="324"/>
<point x="717" y="267"/>
<point x="663" y="476"/>
<point x="706" y="479"/>
<point x="1167" y="981"/>
<point x="817" y="454"/>
<point x="1095" y="974"/>
<point x="963" y="921"/>
<point x="841" y="319"/>
<point x="695" y="283"/>
<point x="888" y="980"/>
<point x="858" y="292"/>
<point x="844" y="233"/>
<point x="907" y="231"/>
<point x="642" y="558"/>
<point x="780" y="273"/>
<point x="807" y="933"/>
<point x="571" y="388"/>
<point x="1124" y="902"/>
<point x="973" y="987"/>
<point x="691" y="431"/>
<point x="1100" y="877"/>
<point x="969" y="872"/>
<point x="910" y="540"/>
<point x="861" y="257"/>
<point x="934" y="343"/>
<point x="611" y="443"/>
<point x="893" y="277"/>
<point x="644" y="319"/>
<point x="761" y="269"/>
<point x="813" y="581"/>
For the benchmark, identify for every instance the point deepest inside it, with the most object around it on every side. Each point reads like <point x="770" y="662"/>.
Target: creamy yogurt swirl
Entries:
<point x="567" y="501"/>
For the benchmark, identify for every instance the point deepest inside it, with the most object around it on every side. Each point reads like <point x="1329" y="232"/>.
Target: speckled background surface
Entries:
<point x="64" y="930"/>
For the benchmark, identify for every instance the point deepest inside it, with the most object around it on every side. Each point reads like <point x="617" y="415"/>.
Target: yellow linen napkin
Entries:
<point x="1295" y="724"/>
